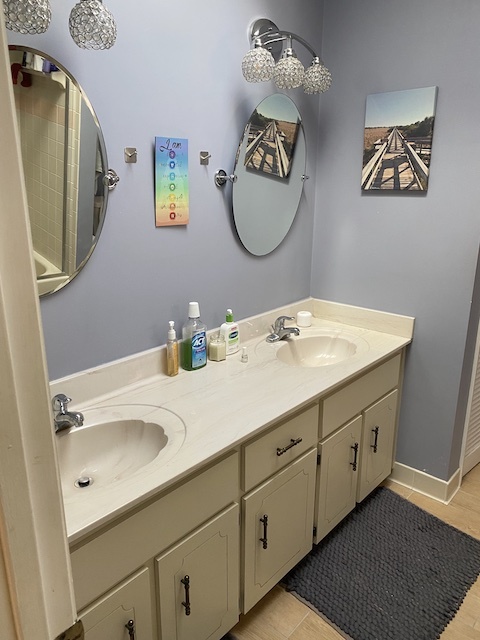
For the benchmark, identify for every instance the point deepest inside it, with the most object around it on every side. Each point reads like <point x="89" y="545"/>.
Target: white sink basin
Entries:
<point x="114" y="444"/>
<point x="316" y="347"/>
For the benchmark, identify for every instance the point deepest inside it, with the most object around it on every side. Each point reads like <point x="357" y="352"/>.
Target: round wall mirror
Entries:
<point x="65" y="163"/>
<point x="269" y="170"/>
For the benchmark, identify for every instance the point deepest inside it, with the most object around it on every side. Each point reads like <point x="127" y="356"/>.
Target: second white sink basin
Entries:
<point x="115" y="443"/>
<point x="317" y="351"/>
<point x="316" y="347"/>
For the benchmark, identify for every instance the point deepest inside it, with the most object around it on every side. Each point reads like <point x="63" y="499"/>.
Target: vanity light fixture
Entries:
<point x="27" y="16"/>
<point x="269" y="60"/>
<point x="92" y="26"/>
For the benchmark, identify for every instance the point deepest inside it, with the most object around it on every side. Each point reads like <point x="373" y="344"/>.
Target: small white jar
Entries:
<point x="304" y="319"/>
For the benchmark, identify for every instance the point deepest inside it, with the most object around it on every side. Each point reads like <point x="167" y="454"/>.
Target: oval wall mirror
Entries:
<point x="65" y="163"/>
<point x="270" y="170"/>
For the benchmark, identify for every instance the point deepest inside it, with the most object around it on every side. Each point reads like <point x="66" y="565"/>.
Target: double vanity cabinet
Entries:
<point x="185" y="564"/>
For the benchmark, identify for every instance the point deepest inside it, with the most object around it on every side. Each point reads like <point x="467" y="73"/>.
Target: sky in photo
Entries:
<point x="400" y="107"/>
<point x="278" y="107"/>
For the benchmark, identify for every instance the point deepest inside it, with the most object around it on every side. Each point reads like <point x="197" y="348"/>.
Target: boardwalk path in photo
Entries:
<point x="396" y="165"/>
<point x="266" y="151"/>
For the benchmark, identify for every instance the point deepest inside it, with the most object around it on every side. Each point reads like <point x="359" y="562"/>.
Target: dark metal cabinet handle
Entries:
<point x="354" y="463"/>
<point x="186" y="583"/>
<point x="374" y="446"/>
<point x="293" y="443"/>
<point x="264" y="540"/>
<point x="130" y="626"/>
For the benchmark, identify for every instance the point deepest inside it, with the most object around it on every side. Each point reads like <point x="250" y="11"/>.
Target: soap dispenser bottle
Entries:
<point x="194" y="340"/>
<point x="231" y="332"/>
<point x="172" y="350"/>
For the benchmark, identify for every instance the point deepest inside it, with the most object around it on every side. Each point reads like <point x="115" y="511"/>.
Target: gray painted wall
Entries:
<point x="408" y="254"/>
<point x="174" y="71"/>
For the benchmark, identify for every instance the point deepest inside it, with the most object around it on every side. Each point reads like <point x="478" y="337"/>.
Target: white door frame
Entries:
<point x="36" y="591"/>
<point x="467" y="462"/>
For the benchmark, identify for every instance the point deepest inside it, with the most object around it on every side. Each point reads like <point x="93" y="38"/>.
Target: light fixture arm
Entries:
<point x="265" y="33"/>
<point x="282" y="36"/>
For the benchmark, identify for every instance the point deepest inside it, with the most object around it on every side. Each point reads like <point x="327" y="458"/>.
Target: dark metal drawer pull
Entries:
<point x="264" y="540"/>
<point x="374" y="446"/>
<point x="130" y="627"/>
<point x="186" y="583"/>
<point x="355" y="449"/>
<point x="293" y="442"/>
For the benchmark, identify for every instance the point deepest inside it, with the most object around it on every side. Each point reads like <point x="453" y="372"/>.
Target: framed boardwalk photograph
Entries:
<point x="398" y="137"/>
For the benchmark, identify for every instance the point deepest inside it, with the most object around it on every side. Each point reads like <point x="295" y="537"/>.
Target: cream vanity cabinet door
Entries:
<point x="353" y="461"/>
<point x="337" y="477"/>
<point x="198" y="582"/>
<point x="277" y="526"/>
<point x="357" y="429"/>
<point x="124" y="613"/>
<point x="378" y="439"/>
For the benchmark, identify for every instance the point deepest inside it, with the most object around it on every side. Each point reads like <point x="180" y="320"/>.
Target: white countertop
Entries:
<point x="225" y="403"/>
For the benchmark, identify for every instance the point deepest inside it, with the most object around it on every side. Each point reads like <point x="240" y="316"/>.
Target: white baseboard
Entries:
<point x="442" y="490"/>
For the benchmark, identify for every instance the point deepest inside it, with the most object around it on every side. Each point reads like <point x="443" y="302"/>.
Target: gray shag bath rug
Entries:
<point x="389" y="571"/>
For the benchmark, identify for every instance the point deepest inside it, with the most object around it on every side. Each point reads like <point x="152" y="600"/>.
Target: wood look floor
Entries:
<point x="280" y="616"/>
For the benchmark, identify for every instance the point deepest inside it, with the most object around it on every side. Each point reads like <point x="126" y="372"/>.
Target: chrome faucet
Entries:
<point x="65" y="419"/>
<point x="280" y="331"/>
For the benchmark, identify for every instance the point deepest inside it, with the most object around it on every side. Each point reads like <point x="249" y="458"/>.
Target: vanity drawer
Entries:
<point x="105" y="560"/>
<point x="358" y="395"/>
<point x="261" y="456"/>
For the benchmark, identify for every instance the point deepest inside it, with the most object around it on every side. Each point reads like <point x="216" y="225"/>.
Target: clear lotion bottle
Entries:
<point x="194" y="340"/>
<point x="172" y="350"/>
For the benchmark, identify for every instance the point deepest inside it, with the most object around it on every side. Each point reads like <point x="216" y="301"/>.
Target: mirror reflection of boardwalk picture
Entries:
<point x="398" y="140"/>
<point x="271" y="141"/>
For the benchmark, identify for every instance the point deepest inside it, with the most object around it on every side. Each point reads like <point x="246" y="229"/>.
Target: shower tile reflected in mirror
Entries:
<point x="64" y="165"/>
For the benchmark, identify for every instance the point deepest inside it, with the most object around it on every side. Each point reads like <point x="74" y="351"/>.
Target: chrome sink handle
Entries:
<point x="280" y="323"/>
<point x="280" y="332"/>
<point x="65" y="419"/>
<point x="60" y="403"/>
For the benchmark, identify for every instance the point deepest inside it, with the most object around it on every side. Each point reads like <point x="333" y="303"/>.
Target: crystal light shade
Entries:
<point x="258" y="65"/>
<point x="317" y="78"/>
<point x="27" y="16"/>
<point x="92" y="26"/>
<point x="289" y="71"/>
